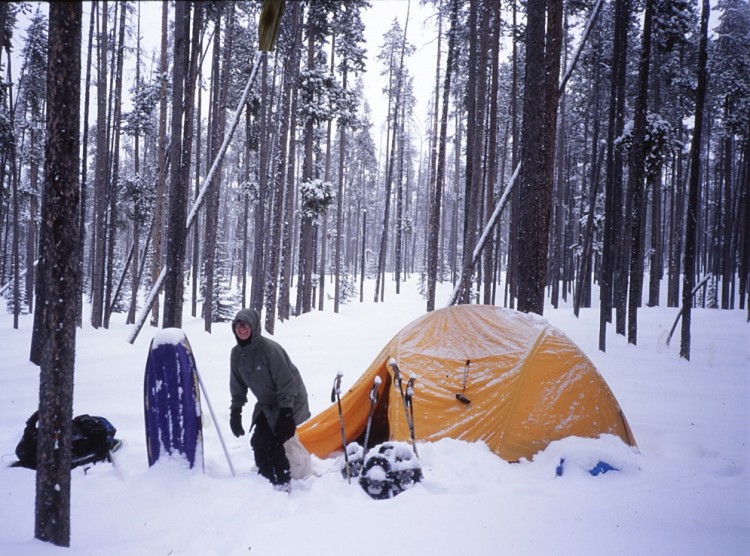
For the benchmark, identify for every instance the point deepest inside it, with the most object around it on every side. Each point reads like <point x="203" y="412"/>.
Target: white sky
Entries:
<point x="422" y="33"/>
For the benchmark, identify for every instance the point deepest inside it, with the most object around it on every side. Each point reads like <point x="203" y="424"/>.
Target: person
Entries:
<point x="261" y="365"/>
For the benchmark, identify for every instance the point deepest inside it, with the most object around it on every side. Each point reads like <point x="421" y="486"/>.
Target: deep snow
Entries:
<point x="686" y="490"/>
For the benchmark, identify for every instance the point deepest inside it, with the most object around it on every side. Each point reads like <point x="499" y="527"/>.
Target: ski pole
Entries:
<point x="374" y="395"/>
<point x="410" y="404"/>
<point x="399" y="381"/>
<point x="336" y="396"/>
<point x="216" y="422"/>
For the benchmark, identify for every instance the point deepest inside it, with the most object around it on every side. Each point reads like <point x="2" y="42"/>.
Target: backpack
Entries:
<point x="92" y="439"/>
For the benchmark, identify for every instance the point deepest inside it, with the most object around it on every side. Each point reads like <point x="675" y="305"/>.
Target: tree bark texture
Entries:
<point x="59" y="233"/>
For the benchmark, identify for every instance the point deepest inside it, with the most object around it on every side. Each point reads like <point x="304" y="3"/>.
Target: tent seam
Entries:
<point x="522" y="365"/>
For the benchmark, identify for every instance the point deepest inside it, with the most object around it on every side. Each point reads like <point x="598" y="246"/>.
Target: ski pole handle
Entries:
<point x="396" y="370"/>
<point x="410" y="389"/>
<point x="336" y="390"/>
<point x="374" y="394"/>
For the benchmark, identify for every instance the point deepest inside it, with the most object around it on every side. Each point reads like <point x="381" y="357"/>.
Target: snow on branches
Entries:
<point x="316" y="196"/>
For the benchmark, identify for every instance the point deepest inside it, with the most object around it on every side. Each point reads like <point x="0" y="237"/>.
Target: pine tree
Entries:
<point x="59" y="266"/>
<point x="349" y="30"/>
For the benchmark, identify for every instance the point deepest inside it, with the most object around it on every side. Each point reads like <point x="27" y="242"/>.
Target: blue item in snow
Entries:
<point x="174" y="424"/>
<point x="599" y="469"/>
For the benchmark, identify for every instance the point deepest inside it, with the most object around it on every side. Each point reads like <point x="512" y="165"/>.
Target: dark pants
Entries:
<point x="270" y="456"/>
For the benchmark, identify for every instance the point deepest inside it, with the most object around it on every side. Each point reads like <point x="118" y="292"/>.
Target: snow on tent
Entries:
<point x="523" y="383"/>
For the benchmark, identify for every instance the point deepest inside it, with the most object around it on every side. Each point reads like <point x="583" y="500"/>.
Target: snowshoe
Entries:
<point x="390" y="470"/>
<point x="354" y="453"/>
<point x="375" y="479"/>
<point x="405" y="468"/>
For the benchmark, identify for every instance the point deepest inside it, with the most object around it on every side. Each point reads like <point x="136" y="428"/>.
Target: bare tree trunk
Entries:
<point x="743" y="249"/>
<point x="327" y="174"/>
<point x="161" y="162"/>
<point x="398" y="242"/>
<point x="489" y="258"/>
<point x="196" y="263"/>
<point x="184" y="74"/>
<point x="475" y="109"/>
<point x="537" y="149"/>
<point x="259" y="261"/>
<point x="137" y="170"/>
<point x="220" y="81"/>
<point x="695" y="162"/>
<point x="100" y="176"/>
<point x="436" y="199"/>
<point x="60" y="266"/>
<point x="31" y="234"/>
<point x="287" y="234"/>
<point x="511" y="278"/>
<point x="727" y="259"/>
<point x="307" y="228"/>
<point x="115" y="172"/>
<point x="36" y="339"/>
<point x="291" y="65"/>
<point x="84" y="171"/>
<point x="339" y="207"/>
<point x="583" y="282"/>
<point x="675" y="250"/>
<point x="614" y="173"/>
<point x="400" y="91"/>
<point x="636" y="177"/>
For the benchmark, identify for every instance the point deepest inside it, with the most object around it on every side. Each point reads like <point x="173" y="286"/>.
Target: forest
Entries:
<point x="572" y="148"/>
<point x="587" y="150"/>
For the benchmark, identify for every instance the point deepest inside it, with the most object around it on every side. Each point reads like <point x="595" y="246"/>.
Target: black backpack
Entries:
<point x="93" y="438"/>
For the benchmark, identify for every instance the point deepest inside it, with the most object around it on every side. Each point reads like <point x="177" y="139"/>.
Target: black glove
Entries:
<point x="235" y="421"/>
<point x="285" y="427"/>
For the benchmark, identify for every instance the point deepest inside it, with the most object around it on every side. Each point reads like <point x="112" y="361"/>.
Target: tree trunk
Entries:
<point x="339" y="205"/>
<point x="695" y="163"/>
<point x="259" y="259"/>
<point x="161" y="162"/>
<point x="400" y="86"/>
<point x="489" y="250"/>
<point x="195" y="258"/>
<point x="133" y="306"/>
<point x="287" y="233"/>
<point x="434" y="265"/>
<point x="100" y="176"/>
<point x="60" y="228"/>
<point x="542" y="56"/>
<point x="678" y="209"/>
<point x="291" y="65"/>
<point x="636" y="177"/>
<point x="398" y="242"/>
<point x="84" y="172"/>
<point x="511" y="276"/>
<point x="583" y="281"/>
<point x="115" y="177"/>
<point x="220" y="81"/>
<point x="183" y="82"/>
<point x="614" y="169"/>
<point x="475" y="109"/>
<point x="307" y="228"/>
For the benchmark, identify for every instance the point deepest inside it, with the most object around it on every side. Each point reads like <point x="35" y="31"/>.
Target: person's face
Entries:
<point x="243" y="330"/>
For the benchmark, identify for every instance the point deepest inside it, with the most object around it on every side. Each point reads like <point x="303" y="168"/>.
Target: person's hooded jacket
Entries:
<point x="264" y="367"/>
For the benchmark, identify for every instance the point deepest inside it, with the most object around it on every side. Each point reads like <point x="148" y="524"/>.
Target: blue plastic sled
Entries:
<point x="174" y="425"/>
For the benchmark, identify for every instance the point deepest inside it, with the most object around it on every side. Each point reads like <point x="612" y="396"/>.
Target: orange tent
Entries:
<point x="524" y="382"/>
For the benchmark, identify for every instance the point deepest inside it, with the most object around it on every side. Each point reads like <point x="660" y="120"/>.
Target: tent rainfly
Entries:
<point x="483" y="373"/>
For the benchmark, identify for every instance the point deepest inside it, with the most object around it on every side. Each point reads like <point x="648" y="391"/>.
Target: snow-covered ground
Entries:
<point x="686" y="490"/>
